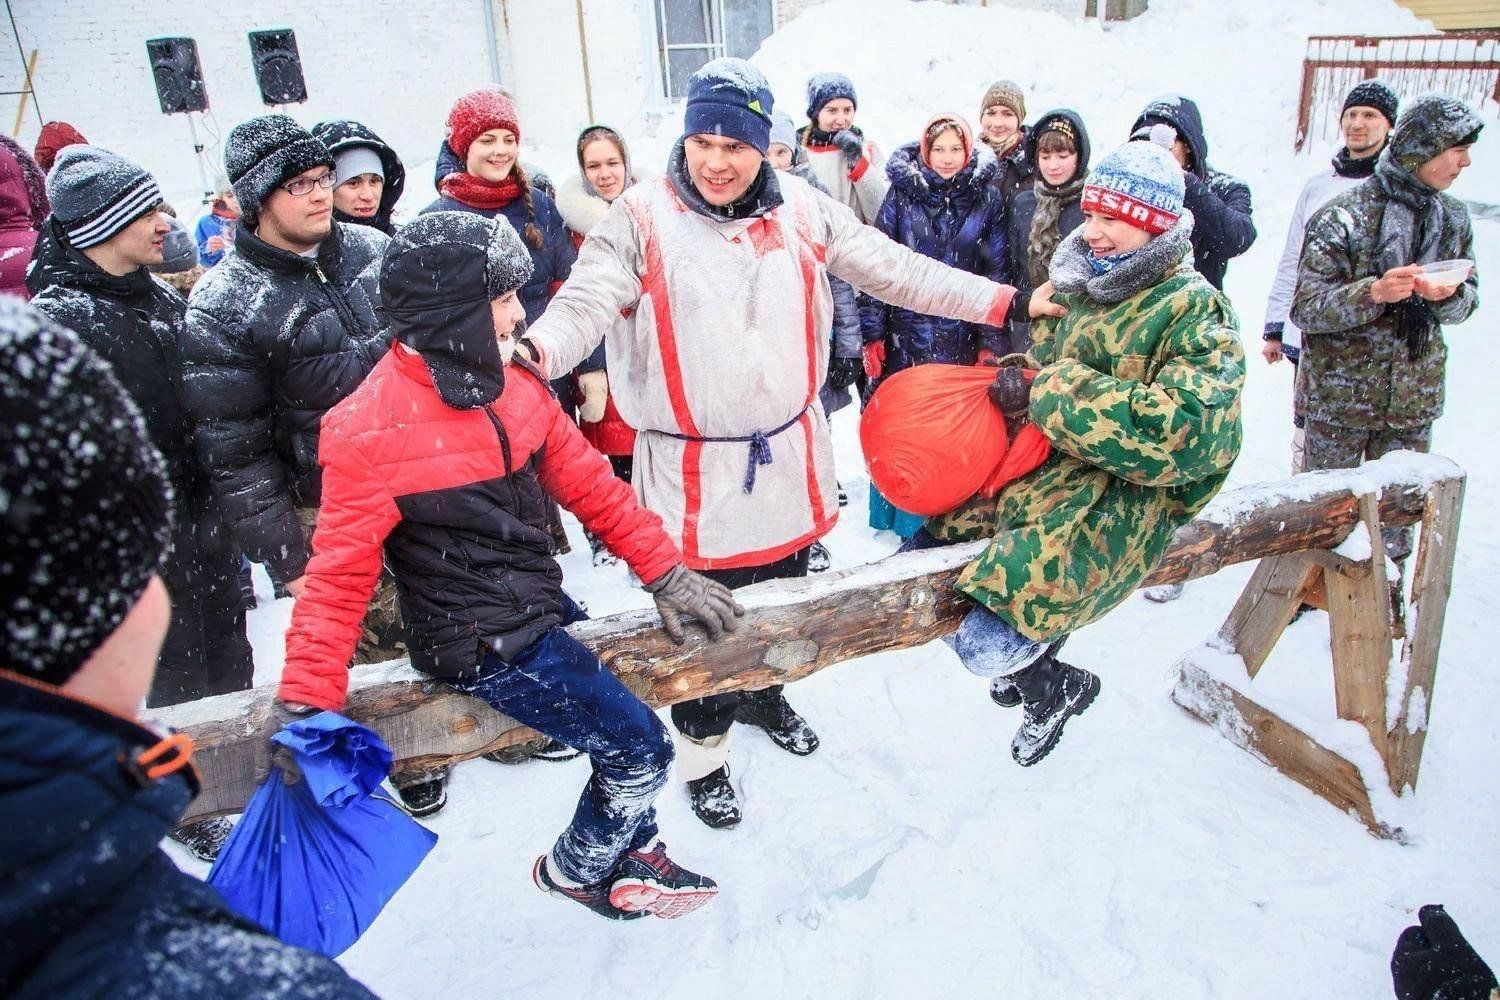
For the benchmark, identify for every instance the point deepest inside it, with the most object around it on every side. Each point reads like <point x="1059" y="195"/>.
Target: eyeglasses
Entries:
<point x="300" y="186"/>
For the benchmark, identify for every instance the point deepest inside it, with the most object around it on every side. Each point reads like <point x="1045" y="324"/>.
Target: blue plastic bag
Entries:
<point x="315" y="862"/>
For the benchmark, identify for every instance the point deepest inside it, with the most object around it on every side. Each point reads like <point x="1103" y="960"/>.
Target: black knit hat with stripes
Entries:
<point x="96" y="193"/>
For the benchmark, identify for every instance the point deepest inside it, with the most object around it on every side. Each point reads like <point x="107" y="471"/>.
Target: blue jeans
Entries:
<point x="558" y="687"/>
<point x="986" y="644"/>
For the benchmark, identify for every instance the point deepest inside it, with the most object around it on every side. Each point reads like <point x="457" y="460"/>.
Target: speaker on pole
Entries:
<point x="278" y="67"/>
<point x="179" y="75"/>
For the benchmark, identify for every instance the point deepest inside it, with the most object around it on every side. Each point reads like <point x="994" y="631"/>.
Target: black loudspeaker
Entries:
<point x="278" y="68"/>
<point x="179" y="75"/>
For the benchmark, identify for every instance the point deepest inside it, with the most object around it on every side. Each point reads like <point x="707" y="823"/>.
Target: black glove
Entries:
<point x="270" y="755"/>
<point x="844" y="372"/>
<point x="850" y="144"/>
<point x="1011" y="394"/>
<point x="681" y="591"/>
<point x="1433" y="961"/>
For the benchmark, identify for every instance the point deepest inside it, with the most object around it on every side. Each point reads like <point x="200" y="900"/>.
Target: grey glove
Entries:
<point x="270" y="755"/>
<point x="680" y="591"/>
<point x="850" y="144"/>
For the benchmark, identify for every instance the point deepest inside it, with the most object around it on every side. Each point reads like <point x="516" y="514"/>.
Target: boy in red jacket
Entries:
<point x="442" y="460"/>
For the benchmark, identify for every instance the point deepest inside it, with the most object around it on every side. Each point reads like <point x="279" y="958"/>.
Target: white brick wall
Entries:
<point x="396" y="65"/>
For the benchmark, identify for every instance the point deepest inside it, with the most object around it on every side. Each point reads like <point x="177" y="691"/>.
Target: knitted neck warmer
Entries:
<point x="1044" y="237"/>
<point x="1109" y="280"/>
<point x="763" y="196"/>
<point x="817" y="137"/>
<point x="479" y="193"/>
<point x="1346" y="166"/>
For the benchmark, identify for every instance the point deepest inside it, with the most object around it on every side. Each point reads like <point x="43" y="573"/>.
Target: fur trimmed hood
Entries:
<point x="581" y="208"/>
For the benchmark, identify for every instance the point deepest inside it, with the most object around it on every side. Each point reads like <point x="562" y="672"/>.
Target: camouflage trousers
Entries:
<point x="1329" y="446"/>
<point x="382" y="635"/>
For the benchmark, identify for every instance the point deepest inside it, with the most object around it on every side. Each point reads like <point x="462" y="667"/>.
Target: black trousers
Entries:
<point x="703" y="718"/>
<point x="206" y="651"/>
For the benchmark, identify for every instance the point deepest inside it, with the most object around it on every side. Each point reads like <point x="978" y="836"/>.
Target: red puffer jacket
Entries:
<point x="455" y="500"/>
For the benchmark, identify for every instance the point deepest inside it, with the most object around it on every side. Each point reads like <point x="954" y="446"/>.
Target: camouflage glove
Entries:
<point x="270" y="755"/>
<point x="851" y="145"/>
<point x="680" y="591"/>
<point x="1433" y="959"/>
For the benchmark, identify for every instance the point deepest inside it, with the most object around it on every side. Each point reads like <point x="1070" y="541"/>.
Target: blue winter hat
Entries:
<point x="730" y="97"/>
<point x="825" y="87"/>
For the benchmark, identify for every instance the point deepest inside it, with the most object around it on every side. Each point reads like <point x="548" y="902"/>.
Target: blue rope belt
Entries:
<point x="760" y="446"/>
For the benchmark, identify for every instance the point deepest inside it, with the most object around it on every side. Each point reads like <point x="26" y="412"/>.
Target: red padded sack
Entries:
<point x="932" y="439"/>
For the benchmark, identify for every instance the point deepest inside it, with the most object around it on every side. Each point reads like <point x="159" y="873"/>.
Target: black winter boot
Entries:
<point x="818" y="559"/>
<point x="714" y="799"/>
<point x="1051" y="692"/>
<point x="205" y="838"/>
<point x="1003" y="692"/>
<point x="425" y="798"/>
<point x="768" y="710"/>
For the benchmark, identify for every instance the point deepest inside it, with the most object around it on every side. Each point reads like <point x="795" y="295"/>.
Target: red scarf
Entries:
<point x="479" y="193"/>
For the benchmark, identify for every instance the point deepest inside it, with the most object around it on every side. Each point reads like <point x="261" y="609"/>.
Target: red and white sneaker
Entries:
<point x="650" y="882"/>
<point x="595" y="897"/>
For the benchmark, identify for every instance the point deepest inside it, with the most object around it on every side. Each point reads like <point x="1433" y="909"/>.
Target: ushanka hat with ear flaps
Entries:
<point x="437" y="279"/>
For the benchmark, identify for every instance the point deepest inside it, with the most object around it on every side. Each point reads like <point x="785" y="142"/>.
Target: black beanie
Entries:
<point x="1373" y="94"/>
<point x="85" y="508"/>
<point x="268" y="151"/>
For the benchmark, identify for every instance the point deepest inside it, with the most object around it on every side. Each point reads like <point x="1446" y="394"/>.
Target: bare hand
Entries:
<point x="298" y="586"/>
<point x="1041" y="303"/>
<point x="1396" y="284"/>
<point x="215" y="244"/>
<point x="1271" y="351"/>
<point x="1431" y="292"/>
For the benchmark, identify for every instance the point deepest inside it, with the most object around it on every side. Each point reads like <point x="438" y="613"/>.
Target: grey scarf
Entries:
<point x="1042" y="240"/>
<point x="1071" y="273"/>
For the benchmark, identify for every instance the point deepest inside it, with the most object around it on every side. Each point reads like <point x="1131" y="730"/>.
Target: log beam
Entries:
<point x="794" y="628"/>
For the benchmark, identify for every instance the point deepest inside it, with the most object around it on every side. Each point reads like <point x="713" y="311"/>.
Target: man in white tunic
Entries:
<point x="721" y="268"/>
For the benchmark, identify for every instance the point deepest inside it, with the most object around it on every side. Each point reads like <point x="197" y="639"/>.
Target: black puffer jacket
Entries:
<point x="272" y="341"/>
<point x="1220" y="203"/>
<point x="133" y="323"/>
<point x="341" y="135"/>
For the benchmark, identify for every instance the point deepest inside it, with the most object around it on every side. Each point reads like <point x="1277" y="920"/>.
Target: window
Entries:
<point x="690" y="33"/>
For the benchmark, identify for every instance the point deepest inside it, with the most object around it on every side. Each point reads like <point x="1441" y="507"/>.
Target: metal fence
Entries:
<point x="1463" y="65"/>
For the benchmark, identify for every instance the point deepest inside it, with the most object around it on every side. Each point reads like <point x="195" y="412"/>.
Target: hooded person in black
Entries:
<point x="359" y="156"/>
<point x="1042" y="215"/>
<point x="1220" y="203"/>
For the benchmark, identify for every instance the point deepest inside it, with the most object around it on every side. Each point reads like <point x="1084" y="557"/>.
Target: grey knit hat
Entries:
<point x="96" y="193"/>
<point x="265" y="152"/>
<point x="178" y="250"/>
<point x="85" y="509"/>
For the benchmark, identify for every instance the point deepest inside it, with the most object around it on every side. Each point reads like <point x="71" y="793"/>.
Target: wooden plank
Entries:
<point x="1265" y="735"/>
<point x="1266" y="606"/>
<point x="1431" y="585"/>
<point x="1359" y="617"/>
<point x="794" y="628"/>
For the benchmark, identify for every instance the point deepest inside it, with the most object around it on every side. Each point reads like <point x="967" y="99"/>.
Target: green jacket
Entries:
<point x="1355" y="369"/>
<point x="1141" y="402"/>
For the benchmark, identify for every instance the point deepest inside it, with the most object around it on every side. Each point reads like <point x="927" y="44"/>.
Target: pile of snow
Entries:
<point x="910" y="856"/>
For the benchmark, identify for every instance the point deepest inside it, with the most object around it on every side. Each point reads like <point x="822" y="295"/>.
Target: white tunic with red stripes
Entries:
<point x="728" y="336"/>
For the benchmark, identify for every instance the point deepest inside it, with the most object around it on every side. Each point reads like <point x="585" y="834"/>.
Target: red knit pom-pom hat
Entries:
<point x="476" y="113"/>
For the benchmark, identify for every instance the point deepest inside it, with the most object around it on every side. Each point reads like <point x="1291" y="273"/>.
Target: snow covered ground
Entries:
<point x="910" y="857"/>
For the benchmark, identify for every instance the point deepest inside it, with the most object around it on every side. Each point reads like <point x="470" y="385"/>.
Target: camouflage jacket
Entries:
<point x="1141" y="402"/>
<point x="1355" y="368"/>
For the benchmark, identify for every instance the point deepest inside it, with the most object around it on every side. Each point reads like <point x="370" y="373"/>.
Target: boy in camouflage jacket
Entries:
<point x="1138" y="390"/>
<point x="1373" y="353"/>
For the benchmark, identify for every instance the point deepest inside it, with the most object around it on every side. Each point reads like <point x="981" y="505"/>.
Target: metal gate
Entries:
<point x="1466" y="66"/>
